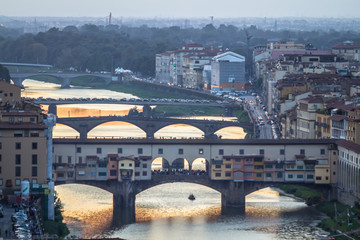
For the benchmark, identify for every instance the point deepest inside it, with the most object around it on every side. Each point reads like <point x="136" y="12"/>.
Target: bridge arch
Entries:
<point x="63" y="130"/>
<point x="108" y="128"/>
<point x="173" y="129"/>
<point x="160" y="165"/>
<point x="231" y="132"/>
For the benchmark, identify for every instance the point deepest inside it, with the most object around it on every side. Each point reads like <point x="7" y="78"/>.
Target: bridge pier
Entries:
<point x="83" y="131"/>
<point x="52" y="109"/>
<point x="150" y="130"/>
<point x="146" y="111"/>
<point x="66" y="82"/>
<point x="124" y="197"/>
<point x="233" y="196"/>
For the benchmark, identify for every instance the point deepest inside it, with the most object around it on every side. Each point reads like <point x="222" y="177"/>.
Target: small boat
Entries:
<point x="191" y="197"/>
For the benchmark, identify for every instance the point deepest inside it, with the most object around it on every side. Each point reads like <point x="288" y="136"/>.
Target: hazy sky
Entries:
<point x="181" y="8"/>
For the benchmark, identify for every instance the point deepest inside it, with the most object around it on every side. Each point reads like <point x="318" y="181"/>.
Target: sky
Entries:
<point x="181" y="8"/>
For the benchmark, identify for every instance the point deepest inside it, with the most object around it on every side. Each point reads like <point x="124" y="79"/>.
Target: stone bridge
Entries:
<point x="150" y="125"/>
<point x="65" y="78"/>
<point x="124" y="193"/>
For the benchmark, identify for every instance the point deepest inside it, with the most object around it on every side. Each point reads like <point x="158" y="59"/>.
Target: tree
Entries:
<point x="4" y="74"/>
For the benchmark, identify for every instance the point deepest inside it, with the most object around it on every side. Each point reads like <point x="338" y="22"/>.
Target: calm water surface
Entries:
<point x="164" y="212"/>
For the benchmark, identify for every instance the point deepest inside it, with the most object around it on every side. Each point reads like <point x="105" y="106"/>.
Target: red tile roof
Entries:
<point x="349" y="145"/>
<point x="346" y="45"/>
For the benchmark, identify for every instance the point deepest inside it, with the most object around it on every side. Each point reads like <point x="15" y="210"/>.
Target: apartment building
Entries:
<point x="228" y="71"/>
<point x="22" y="142"/>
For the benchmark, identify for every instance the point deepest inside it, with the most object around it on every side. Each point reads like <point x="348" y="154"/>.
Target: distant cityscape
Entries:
<point x="42" y="24"/>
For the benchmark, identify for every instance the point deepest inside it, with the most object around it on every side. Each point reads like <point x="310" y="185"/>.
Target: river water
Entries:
<point x="164" y="212"/>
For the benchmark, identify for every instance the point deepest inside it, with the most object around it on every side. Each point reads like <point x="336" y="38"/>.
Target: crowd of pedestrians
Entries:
<point x="179" y="172"/>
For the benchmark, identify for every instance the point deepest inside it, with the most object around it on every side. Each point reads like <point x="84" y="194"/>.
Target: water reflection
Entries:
<point x="164" y="212"/>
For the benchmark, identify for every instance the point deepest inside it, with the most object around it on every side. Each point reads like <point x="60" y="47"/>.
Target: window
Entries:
<point x="34" y="145"/>
<point x="302" y="151"/>
<point x="112" y="172"/>
<point x="144" y="173"/>
<point x="17" y="171"/>
<point x="17" y="182"/>
<point x="34" y="171"/>
<point x="290" y="176"/>
<point x="228" y="174"/>
<point x="261" y="151"/>
<point x="238" y="174"/>
<point x="122" y="165"/>
<point x="0" y="145"/>
<point x="140" y="150"/>
<point x="248" y="174"/>
<point x="160" y="151"/>
<point x="221" y="151"/>
<point x="69" y="159"/>
<point x="318" y="178"/>
<point x="310" y="176"/>
<point x="258" y="174"/>
<point x="241" y="151"/>
<point x="268" y="166"/>
<point x="137" y="164"/>
<point x="78" y="149"/>
<point x="228" y="166"/>
<point x="60" y="159"/>
<point x="18" y="133"/>
<point x="248" y="166"/>
<point x="137" y="174"/>
<point x="181" y="151"/>
<point x="0" y="157"/>
<point x="279" y="174"/>
<point x="80" y="160"/>
<point x="17" y="159"/>
<point x="1" y="182"/>
<point x="120" y="150"/>
<point x="299" y="167"/>
<point x="98" y="150"/>
<point x="102" y="174"/>
<point x="322" y="151"/>
<point x="32" y="119"/>
<point x="144" y="165"/>
<point x="217" y="166"/>
<point x="20" y="119"/>
<point x="11" y="120"/>
<point x="201" y="151"/>
<point x="34" y="159"/>
<point x="130" y="164"/>
<point x="282" y="151"/>
<point x="300" y="176"/>
<point x="217" y="174"/>
<point x="17" y="145"/>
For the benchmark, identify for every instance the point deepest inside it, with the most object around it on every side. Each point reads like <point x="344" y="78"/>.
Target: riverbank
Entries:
<point x="341" y="218"/>
<point x="149" y="90"/>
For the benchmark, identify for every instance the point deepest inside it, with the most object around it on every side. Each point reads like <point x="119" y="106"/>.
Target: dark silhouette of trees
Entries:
<point x="4" y="74"/>
<point x="99" y="48"/>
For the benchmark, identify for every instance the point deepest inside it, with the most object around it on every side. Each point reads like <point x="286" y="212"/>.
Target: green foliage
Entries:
<point x="57" y="226"/>
<point x="188" y="111"/>
<point x="345" y="219"/>
<point x="242" y="116"/>
<point x="4" y="74"/>
<point x="311" y="196"/>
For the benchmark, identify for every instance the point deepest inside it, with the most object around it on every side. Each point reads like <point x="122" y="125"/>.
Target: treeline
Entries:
<point x="99" y="48"/>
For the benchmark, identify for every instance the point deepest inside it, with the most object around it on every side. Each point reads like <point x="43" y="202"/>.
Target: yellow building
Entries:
<point x="9" y="94"/>
<point x="222" y="169"/>
<point x="258" y="168"/>
<point x="22" y="142"/>
<point x="126" y="169"/>
<point x="323" y="126"/>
